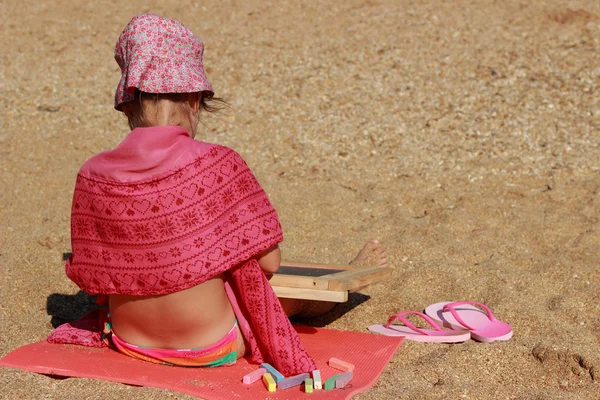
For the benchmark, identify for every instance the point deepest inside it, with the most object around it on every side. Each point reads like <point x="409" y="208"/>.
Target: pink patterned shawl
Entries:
<point x="162" y="213"/>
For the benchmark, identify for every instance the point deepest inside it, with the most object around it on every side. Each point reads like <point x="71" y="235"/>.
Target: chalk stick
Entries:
<point x="316" y="374"/>
<point x="269" y="382"/>
<point x="292" y="381"/>
<point x="343" y="380"/>
<point x="274" y="373"/>
<point x="308" y="385"/>
<point x="341" y="365"/>
<point x="254" y="376"/>
<point x="330" y="383"/>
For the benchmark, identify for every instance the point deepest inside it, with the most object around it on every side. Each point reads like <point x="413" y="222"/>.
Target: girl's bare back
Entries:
<point x="196" y="317"/>
<point x="191" y="318"/>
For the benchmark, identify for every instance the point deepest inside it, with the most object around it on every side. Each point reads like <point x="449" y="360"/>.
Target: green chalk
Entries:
<point x="330" y="383"/>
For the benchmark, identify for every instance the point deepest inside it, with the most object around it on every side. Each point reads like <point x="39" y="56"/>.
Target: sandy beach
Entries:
<point x="465" y="135"/>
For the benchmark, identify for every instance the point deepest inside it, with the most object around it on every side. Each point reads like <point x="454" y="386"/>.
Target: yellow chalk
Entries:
<point x="269" y="382"/>
<point x="308" y="385"/>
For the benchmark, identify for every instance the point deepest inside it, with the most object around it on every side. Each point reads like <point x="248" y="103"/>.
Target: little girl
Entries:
<point x="176" y="232"/>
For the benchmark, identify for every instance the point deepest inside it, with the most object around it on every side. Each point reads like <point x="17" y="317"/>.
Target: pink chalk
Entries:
<point x="341" y="365"/>
<point x="254" y="376"/>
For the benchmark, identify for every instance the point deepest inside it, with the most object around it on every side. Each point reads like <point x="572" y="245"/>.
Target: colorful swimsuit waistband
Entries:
<point x="223" y="352"/>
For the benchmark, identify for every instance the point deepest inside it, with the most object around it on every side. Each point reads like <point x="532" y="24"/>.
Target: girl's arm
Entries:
<point x="269" y="259"/>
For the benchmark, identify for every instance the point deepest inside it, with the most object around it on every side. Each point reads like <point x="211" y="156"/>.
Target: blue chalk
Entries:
<point x="292" y="381"/>
<point x="276" y="374"/>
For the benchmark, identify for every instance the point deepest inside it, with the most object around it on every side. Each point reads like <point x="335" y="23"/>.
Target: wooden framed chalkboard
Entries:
<point x="324" y="282"/>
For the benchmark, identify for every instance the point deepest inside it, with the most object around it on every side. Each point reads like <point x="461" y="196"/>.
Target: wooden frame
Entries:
<point x="324" y="282"/>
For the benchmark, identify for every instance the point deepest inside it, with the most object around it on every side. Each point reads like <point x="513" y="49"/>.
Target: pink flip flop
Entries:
<point x="408" y="330"/>
<point x="484" y="326"/>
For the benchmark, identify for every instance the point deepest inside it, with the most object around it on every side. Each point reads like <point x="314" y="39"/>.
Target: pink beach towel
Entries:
<point x="368" y="353"/>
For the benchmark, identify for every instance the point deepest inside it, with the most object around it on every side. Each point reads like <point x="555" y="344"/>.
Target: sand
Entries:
<point x="465" y="135"/>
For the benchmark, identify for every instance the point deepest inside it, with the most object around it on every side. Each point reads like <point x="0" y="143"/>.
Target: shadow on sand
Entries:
<point x="354" y="300"/>
<point x="68" y="307"/>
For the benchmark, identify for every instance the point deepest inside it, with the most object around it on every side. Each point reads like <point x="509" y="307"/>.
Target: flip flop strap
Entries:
<point x="450" y="307"/>
<point x="406" y="322"/>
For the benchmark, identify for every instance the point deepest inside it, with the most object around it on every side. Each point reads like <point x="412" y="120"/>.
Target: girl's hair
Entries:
<point x="143" y="114"/>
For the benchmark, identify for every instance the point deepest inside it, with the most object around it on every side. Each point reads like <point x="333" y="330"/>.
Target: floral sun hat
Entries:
<point x="159" y="55"/>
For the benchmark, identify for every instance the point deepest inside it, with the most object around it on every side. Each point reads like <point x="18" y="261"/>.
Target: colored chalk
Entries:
<point x="343" y="380"/>
<point x="330" y="383"/>
<point x="269" y="382"/>
<point x="316" y="374"/>
<point x="254" y="376"/>
<point x="341" y="365"/>
<point x="274" y="373"/>
<point x="308" y="385"/>
<point x="292" y="381"/>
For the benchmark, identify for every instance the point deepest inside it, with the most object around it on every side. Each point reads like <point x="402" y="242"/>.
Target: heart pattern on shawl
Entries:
<point x="189" y="191"/>
<point x="97" y="205"/>
<point x="233" y="243"/>
<point x="124" y="279"/>
<point x="147" y="280"/>
<point x="253" y="232"/>
<point x="226" y="168"/>
<point x="209" y="180"/>
<point x="196" y="267"/>
<point x="83" y="201"/>
<point x="141" y="206"/>
<point x="172" y="276"/>
<point x="118" y="207"/>
<point x="166" y="200"/>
